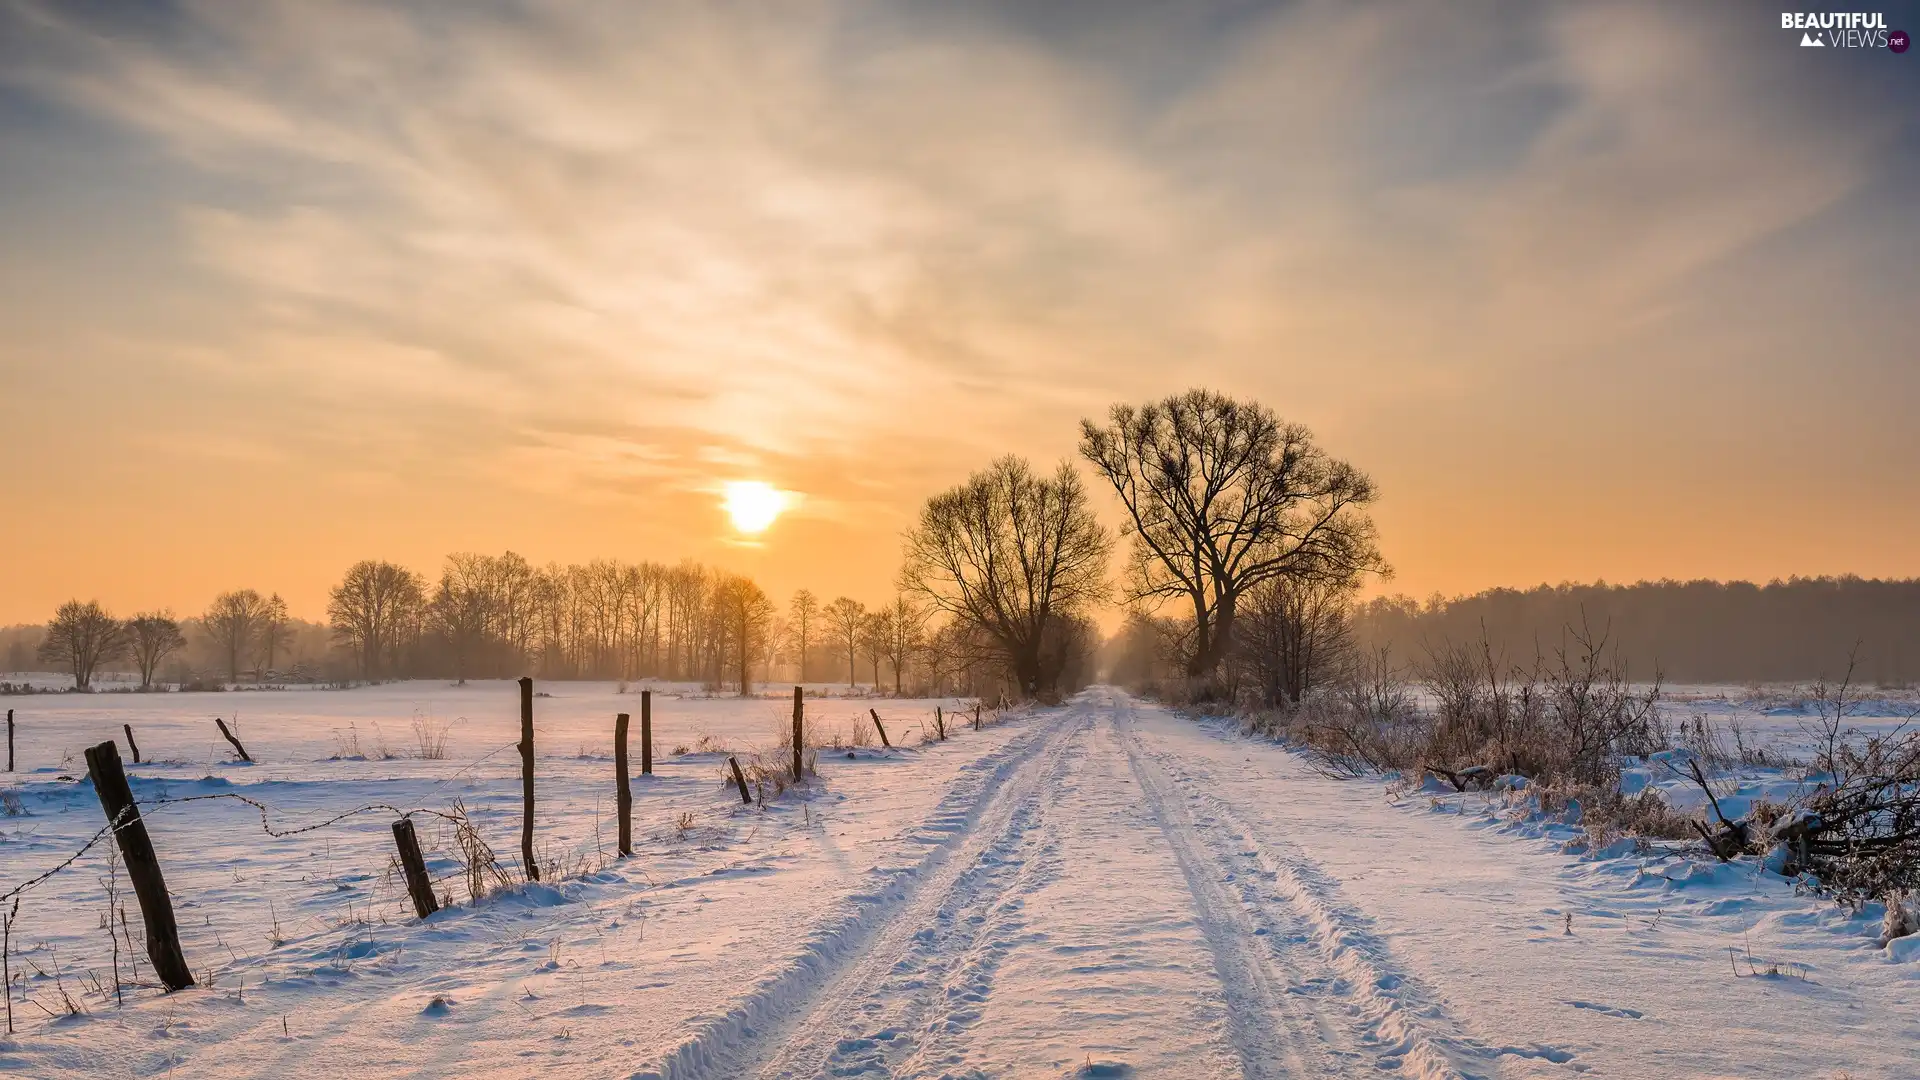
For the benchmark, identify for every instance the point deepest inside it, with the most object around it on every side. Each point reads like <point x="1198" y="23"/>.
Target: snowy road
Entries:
<point x="1105" y="912"/>
<point x="1141" y="895"/>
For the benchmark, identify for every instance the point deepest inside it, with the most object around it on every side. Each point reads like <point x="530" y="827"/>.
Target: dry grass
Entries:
<point x="429" y="738"/>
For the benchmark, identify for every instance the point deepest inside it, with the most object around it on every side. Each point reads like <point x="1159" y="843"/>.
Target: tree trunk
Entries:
<point x="745" y="659"/>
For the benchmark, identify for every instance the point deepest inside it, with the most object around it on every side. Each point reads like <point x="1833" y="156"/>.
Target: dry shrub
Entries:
<point x="429" y="738"/>
<point x="1864" y="837"/>
<point x="482" y="868"/>
<point x="1608" y="815"/>
<point x="858" y="734"/>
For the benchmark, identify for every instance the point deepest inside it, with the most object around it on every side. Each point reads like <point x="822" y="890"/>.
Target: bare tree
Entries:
<point x="462" y="608"/>
<point x="80" y="638"/>
<point x="906" y="624"/>
<point x="746" y="616"/>
<point x="371" y="607"/>
<point x="1220" y="496"/>
<point x="234" y="621"/>
<point x="803" y="619"/>
<point x="1010" y="552"/>
<point x="960" y="655"/>
<point x="844" y="617"/>
<point x="152" y="636"/>
<point x="1295" y="632"/>
<point x="275" y="632"/>
<point x="876" y="631"/>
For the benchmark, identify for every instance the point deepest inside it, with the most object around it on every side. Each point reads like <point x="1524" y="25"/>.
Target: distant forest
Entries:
<point x="1688" y="631"/>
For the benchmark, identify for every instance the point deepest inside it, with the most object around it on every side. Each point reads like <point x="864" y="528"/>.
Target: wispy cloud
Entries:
<point x="597" y="250"/>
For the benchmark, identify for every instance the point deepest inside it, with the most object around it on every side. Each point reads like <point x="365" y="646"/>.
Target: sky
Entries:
<point x="1593" y="291"/>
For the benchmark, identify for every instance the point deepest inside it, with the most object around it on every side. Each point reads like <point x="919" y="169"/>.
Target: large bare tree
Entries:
<point x="234" y="621"/>
<point x="1221" y="496"/>
<point x="152" y="636"/>
<point x="1011" y="551"/>
<point x="844" y="617"/>
<point x="373" y="608"/>
<point x="80" y="638"/>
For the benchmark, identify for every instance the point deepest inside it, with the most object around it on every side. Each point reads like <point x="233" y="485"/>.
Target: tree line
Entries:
<point x="249" y="632"/>
<point x="1738" y="632"/>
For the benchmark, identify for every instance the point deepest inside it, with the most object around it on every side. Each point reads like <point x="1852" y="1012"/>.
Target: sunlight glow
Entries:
<point x="753" y="505"/>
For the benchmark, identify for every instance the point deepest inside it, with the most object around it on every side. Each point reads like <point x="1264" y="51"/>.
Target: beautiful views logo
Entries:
<point x="1844" y="30"/>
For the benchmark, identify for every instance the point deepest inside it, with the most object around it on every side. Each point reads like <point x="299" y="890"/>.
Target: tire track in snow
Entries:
<point x="1402" y="1021"/>
<point x="905" y="1022"/>
<point x="782" y="1019"/>
<point x="1274" y="1031"/>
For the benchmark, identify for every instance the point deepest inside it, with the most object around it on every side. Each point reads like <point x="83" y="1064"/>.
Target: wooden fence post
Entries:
<point x="131" y="745"/>
<point x="877" y="726"/>
<point x="799" y="736"/>
<point x="526" y="779"/>
<point x="419" y="885"/>
<point x="940" y="723"/>
<point x="623" y="789"/>
<point x="745" y="796"/>
<point x="976" y="716"/>
<point x="9" y="740"/>
<point x="143" y="866"/>
<point x="646" y="733"/>
<point x="237" y="748"/>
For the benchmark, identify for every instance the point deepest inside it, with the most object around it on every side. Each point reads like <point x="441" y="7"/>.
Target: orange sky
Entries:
<point x="1596" y="291"/>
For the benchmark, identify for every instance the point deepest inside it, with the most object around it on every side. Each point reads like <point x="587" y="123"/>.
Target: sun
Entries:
<point x="753" y="505"/>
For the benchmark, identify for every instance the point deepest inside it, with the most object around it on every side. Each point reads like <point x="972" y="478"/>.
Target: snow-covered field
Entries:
<point x="1101" y="889"/>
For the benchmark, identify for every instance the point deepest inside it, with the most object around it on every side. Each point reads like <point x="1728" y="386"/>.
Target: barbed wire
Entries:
<point x="124" y="819"/>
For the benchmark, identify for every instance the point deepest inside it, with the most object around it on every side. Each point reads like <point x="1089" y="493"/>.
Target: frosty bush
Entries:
<point x="1859" y="832"/>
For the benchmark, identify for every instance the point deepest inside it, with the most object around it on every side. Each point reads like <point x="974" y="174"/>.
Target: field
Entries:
<point x="1105" y="888"/>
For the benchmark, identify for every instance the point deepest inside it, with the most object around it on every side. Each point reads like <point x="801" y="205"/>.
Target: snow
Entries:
<point x="1106" y="888"/>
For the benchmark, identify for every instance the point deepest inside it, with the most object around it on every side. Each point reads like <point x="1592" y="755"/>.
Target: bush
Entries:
<point x="1859" y="834"/>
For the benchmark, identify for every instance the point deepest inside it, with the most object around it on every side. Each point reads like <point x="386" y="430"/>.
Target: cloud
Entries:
<point x="613" y="248"/>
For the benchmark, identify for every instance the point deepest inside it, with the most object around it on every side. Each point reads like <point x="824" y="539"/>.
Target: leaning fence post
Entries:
<point x="740" y="780"/>
<point x="237" y="748"/>
<point x="419" y="885"/>
<point x="877" y="726"/>
<point x="976" y="716"/>
<point x="526" y="778"/>
<point x="622" y="787"/>
<point x="940" y="723"/>
<point x="799" y="735"/>
<point x="646" y="733"/>
<point x="143" y="866"/>
<point x="131" y="745"/>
